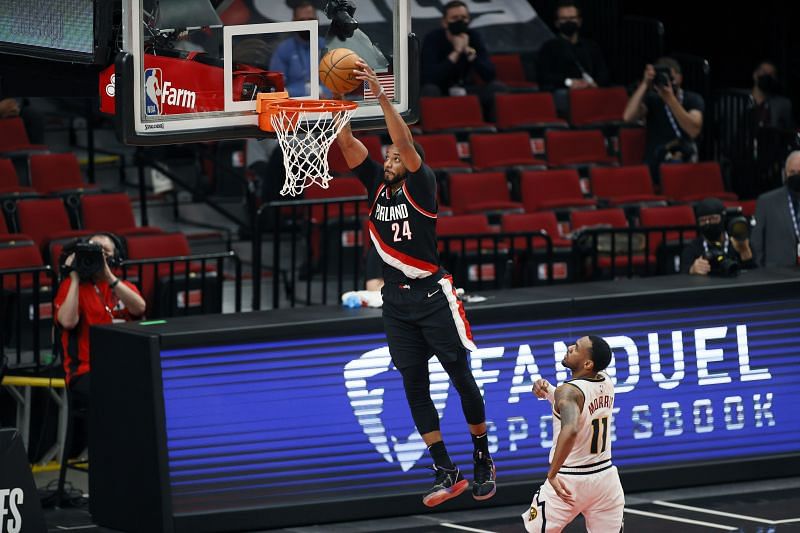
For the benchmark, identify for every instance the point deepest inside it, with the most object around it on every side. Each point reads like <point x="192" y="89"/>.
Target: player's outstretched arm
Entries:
<point x="568" y="404"/>
<point x="398" y="129"/>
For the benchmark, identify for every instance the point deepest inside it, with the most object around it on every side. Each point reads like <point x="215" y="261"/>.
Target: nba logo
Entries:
<point x="152" y="91"/>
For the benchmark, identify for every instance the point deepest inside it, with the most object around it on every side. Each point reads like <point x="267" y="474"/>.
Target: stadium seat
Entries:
<point x="112" y="212"/>
<point x="441" y="152"/>
<point x="14" y="138"/>
<point x="46" y="220"/>
<point x="747" y="207"/>
<point x="624" y="185"/>
<point x="510" y="71"/>
<point x="670" y="216"/>
<point x="374" y="146"/>
<point x="689" y="182"/>
<point x="553" y="189"/>
<point x="577" y="148"/>
<point x="526" y="222"/>
<point x="602" y="106"/>
<point x="341" y="187"/>
<point x="500" y="150"/>
<point x="632" y="145"/>
<point x="19" y="251"/>
<point x="453" y="114"/>
<point x="527" y="111"/>
<point x="612" y="218"/>
<point x="56" y="173"/>
<point x="9" y="182"/>
<point x="465" y="225"/>
<point x="480" y="192"/>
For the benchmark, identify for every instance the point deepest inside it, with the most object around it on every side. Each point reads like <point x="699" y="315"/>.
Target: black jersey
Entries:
<point x="402" y="226"/>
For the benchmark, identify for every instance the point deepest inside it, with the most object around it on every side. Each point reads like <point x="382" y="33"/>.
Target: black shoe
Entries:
<point x="483" y="482"/>
<point x="449" y="484"/>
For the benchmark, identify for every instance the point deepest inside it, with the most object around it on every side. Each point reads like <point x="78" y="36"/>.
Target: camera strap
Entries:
<point x="103" y="302"/>
<point x="673" y="122"/>
<point x="725" y="245"/>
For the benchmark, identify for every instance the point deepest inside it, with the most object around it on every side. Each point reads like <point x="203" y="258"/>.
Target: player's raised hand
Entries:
<point x="560" y="489"/>
<point x="541" y="388"/>
<point x="364" y="72"/>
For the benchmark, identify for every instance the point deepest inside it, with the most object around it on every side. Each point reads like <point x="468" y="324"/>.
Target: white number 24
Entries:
<point x="406" y="231"/>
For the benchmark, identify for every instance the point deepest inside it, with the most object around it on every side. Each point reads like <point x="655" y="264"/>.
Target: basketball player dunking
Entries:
<point x="421" y="314"/>
<point x="581" y="478"/>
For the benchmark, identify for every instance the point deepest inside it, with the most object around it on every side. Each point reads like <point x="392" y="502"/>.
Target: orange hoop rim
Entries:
<point x="312" y="106"/>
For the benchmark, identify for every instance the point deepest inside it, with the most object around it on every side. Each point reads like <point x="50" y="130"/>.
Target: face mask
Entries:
<point x="568" y="28"/>
<point x="458" y="27"/>
<point x="767" y="84"/>
<point x="793" y="182"/>
<point x="711" y="232"/>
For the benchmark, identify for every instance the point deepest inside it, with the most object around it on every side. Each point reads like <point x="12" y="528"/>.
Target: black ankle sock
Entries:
<point x="439" y="455"/>
<point x="481" y="444"/>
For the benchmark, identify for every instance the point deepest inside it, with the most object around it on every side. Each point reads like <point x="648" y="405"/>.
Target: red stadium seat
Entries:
<point x="480" y="192"/>
<point x="527" y="111"/>
<point x="553" y="189"/>
<point x="341" y="187"/>
<point x="542" y="221"/>
<point x="624" y="185"/>
<point x="14" y="137"/>
<point x="747" y="207"/>
<point x="53" y="173"/>
<point x="632" y="145"/>
<point x="112" y="212"/>
<point x="597" y="106"/>
<point x="509" y="70"/>
<point x="688" y="182"/>
<point x="466" y="225"/>
<point x="500" y="150"/>
<point x="577" y="148"/>
<point x="374" y="146"/>
<point x="674" y="215"/>
<point x="46" y="220"/>
<point x="441" y="152"/>
<point x="9" y="182"/>
<point x="19" y="251"/>
<point x="613" y="218"/>
<point x="453" y="113"/>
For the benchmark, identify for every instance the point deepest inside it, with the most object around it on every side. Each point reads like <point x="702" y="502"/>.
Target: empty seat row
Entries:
<point x="49" y="174"/>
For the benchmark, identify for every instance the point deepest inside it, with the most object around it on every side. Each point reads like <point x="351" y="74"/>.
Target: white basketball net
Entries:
<point x="305" y="137"/>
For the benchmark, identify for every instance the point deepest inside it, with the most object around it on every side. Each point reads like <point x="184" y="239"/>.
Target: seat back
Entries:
<point x="441" y="150"/>
<point x="682" y="180"/>
<point x="541" y="186"/>
<point x="575" y="147"/>
<point x="674" y="215"/>
<point x="597" y="105"/>
<point x="473" y="188"/>
<point x="42" y="218"/>
<point x="374" y="146"/>
<point x="611" y="182"/>
<point x="632" y="145"/>
<point x="462" y="224"/>
<point x="107" y="212"/>
<point x="342" y="187"/>
<point x="18" y="251"/>
<point x="508" y="68"/>
<point x="611" y="217"/>
<point x="8" y="175"/>
<point x="54" y="172"/>
<point x="450" y="112"/>
<point x="542" y="221"/>
<point x="12" y="134"/>
<point x="499" y="149"/>
<point x="520" y="109"/>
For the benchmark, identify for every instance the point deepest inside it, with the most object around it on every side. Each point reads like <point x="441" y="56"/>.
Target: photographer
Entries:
<point x="717" y="251"/>
<point x="673" y="117"/>
<point x="91" y="294"/>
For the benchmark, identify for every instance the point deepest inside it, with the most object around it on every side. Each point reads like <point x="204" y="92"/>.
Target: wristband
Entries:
<point x="113" y="284"/>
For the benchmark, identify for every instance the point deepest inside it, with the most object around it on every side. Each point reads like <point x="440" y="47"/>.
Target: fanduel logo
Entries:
<point x="367" y="405"/>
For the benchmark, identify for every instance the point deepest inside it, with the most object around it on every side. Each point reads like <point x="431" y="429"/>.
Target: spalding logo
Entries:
<point x="367" y="405"/>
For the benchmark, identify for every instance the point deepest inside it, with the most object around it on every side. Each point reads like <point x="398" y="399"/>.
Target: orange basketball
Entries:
<point x="336" y="70"/>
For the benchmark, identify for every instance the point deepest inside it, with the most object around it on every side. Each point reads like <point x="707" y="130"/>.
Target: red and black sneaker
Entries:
<point x="483" y="481"/>
<point x="449" y="484"/>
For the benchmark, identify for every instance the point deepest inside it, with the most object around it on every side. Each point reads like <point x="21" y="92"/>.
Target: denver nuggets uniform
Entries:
<point x="587" y="472"/>
<point x="422" y="314"/>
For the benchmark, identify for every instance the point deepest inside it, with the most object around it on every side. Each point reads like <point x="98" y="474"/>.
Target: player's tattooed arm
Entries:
<point x="568" y="404"/>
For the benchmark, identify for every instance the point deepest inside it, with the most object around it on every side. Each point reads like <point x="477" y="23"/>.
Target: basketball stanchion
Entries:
<point x="305" y="130"/>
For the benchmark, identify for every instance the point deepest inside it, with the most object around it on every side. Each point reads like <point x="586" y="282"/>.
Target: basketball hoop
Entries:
<point x="305" y="129"/>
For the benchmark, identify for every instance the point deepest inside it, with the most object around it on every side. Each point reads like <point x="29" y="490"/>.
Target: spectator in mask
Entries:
<point x="769" y="109"/>
<point x="776" y="234"/>
<point x="704" y="255"/>
<point x="570" y="61"/>
<point x="453" y="55"/>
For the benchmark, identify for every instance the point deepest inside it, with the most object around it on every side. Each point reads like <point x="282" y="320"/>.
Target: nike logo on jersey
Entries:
<point x="434" y="292"/>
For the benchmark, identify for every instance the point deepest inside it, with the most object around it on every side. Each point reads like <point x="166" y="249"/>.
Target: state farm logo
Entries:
<point x="111" y="88"/>
<point x="158" y="93"/>
<point x="368" y="406"/>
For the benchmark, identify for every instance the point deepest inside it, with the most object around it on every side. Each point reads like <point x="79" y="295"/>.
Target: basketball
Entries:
<point x="336" y="70"/>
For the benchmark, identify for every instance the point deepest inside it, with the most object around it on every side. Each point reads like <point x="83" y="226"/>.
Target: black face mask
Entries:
<point x="712" y="232"/>
<point x="568" y="28"/>
<point x="793" y="183"/>
<point x="457" y="27"/>
<point x="768" y="84"/>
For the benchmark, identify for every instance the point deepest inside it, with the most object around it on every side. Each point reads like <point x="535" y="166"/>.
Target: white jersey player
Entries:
<point x="581" y="478"/>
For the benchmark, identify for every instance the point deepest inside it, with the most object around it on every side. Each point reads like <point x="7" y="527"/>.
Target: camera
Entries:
<point x="663" y="77"/>
<point x="721" y="265"/>
<point x="739" y="228"/>
<point x="89" y="259"/>
<point x="340" y="13"/>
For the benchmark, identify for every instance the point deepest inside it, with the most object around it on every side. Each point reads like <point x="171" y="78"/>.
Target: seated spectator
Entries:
<point x="776" y="234"/>
<point x="714" y="252"/>
<point x="769" y="109"/>
<point x="569" y="61"/>
<point x="673" y="117"/>
<point x="82" y="302"/>
<point x="292" y="56"/>
<point x="453" y="54"/>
